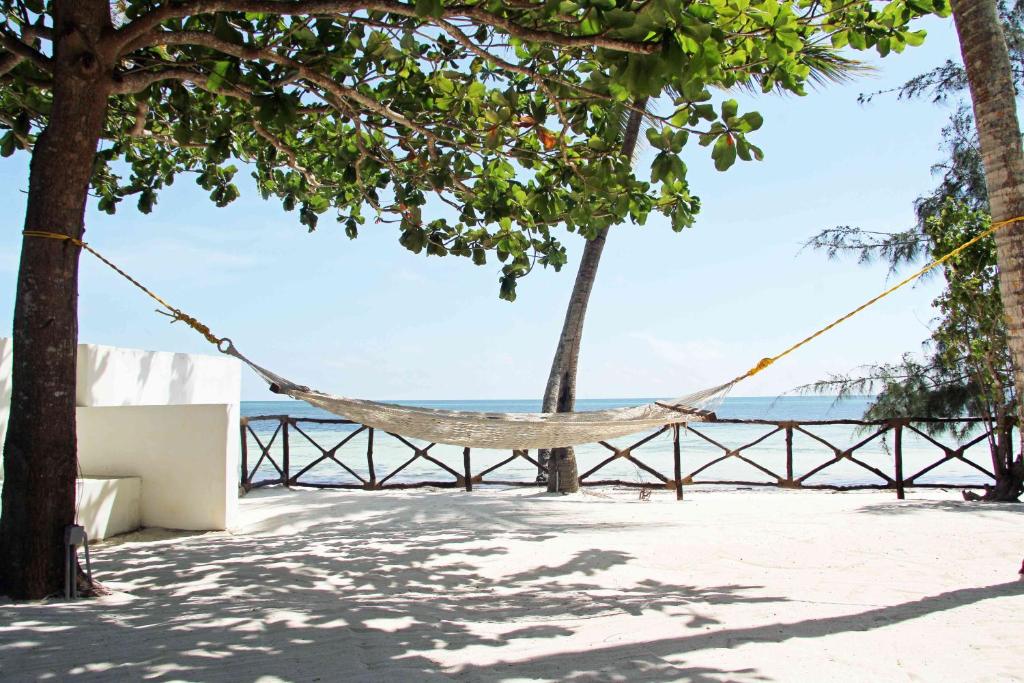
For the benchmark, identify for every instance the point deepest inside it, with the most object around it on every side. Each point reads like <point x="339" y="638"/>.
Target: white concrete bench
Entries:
<point x="109" y="505"/>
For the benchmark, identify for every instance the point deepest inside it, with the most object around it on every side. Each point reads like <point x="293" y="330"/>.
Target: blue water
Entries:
<point x="782" y="408"/>
<point x="808" y="452"/>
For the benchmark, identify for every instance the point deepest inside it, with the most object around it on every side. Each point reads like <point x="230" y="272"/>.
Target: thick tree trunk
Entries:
<point x="40" y="458"/>
<point x="560" y="392"/>
<point x="989" y="75"/>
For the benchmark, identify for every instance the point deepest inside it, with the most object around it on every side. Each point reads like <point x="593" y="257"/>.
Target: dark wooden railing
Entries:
<point x="868" y="431"/>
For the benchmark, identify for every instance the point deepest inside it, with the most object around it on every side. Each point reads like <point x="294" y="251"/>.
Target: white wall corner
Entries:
<point x="187" y="458"/>
<point x="169" y="418"/>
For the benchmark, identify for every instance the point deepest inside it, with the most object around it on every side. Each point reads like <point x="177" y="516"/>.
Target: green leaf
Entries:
<point x="705" y="111"/>
<point x="914" y="38"/>
<point x="429" y="8"/>
<point x="753" y="119"/>
<point x="7" y="144"/>
<point x="225" y="31"/>
<point x="655" y="138"/>
<point x="729" y="108"/>
<point x="218" y="76"/>
<point x="508" y="288"/>
<point x="351" y="228"/>
<point x="618" y="18"/>
<point x="724" y="152"/>
<point x="743" y="149"/>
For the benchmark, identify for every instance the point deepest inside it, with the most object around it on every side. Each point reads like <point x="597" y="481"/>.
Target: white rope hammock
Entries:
<point x="500" y="430"/>
<point x="512" y="430"/>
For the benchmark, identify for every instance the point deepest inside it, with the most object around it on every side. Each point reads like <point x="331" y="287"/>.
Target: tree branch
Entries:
<point x="131" y="83"/>
<point x="141" y="112"/>
<point x="130" y="35"/>
<point x="8" y="61"/>
<point x="289" y="154"/>
<point x="25" y="141"/>
<point x="334" y="89"/>
<point x="20" y="52"/>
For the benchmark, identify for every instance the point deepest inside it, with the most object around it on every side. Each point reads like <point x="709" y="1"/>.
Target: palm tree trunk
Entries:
<point x="40" y="453"/>
<point x="989" y="75"/>
<point x="560" y="392"/>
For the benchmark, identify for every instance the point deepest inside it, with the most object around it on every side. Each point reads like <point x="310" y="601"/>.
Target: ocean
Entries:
<point x="770" y="453"/>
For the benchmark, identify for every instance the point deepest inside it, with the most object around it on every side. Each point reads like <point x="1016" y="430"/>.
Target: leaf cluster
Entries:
<point x="505" y="112"/>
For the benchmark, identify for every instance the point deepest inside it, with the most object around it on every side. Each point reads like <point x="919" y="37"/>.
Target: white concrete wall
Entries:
<point x="112" y="376"/>
<point x="170" y="419"/>
<point x="186" y="456"/>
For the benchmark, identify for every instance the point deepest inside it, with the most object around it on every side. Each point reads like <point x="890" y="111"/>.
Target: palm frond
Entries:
<point x="626" y="115"/>
<point x="828" y="67"/>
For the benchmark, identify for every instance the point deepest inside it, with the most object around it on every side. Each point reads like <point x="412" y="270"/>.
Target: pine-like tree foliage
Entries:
<point x="965" y="367"/>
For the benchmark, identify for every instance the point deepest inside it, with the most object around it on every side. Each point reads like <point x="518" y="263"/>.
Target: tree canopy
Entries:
<point x="508" y="112"/>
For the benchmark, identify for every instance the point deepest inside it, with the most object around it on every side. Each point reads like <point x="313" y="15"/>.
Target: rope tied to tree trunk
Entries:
<point x="176" y="314"/>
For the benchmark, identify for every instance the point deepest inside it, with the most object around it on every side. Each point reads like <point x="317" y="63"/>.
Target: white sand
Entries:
<point x="516" y="585"/>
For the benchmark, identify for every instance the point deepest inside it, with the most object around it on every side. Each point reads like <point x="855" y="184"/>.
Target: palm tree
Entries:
<point x="989" y="75"/>
<point x="560" y="392"/>
<point x="559" y="465"/>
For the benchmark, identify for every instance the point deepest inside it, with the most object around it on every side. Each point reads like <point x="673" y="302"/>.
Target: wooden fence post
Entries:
<point x="245" y="455"/>
<point x="677" y="461"/>
<point x="369" y="459"/>
<point x="789" y="454"/>
<point x="467" y="472"/>
<point x="1008" y="452"/>
<point x="285" y="464"/>
<point x="898" y="453"/>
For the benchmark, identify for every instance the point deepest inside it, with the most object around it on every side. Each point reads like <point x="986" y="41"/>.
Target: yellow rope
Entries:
<point x="765" y="362"/>
<point x="175" y="313"/>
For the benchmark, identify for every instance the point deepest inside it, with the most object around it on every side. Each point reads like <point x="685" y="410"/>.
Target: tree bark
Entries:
<point x="40" y="452"/>
<point x="560" y="392"/>
<point x="990" y="78"/>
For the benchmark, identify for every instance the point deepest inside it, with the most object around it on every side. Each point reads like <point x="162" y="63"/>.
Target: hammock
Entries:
<point x="516" y="431"/>
<point x="499" y="430"/>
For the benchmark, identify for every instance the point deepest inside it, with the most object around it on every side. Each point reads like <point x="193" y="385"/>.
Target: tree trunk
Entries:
<point x="560" y="392"/>
<point x="989" y="75"/>
<point x="40" y="453"/>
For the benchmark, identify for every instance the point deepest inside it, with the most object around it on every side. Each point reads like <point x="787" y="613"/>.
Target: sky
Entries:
<point x="670" y="313"/>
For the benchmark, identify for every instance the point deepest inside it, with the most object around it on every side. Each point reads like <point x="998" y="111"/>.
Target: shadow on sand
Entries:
<point x="960" y="506"/>
<point x="374" y="589"/>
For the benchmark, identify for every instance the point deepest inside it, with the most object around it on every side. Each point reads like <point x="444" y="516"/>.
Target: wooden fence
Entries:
<point x="288" y="428"/>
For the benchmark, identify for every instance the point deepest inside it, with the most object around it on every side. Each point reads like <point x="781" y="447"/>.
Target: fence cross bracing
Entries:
<point x="278" y="434"/>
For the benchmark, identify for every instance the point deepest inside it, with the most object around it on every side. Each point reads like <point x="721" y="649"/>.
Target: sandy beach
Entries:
<point x="513" y="585"/>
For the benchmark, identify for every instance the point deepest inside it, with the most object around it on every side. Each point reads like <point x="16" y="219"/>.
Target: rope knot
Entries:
<point x="761" y="365"/>
<point x="179" y="315"/>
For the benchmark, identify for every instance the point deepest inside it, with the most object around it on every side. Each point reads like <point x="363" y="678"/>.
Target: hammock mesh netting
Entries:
<point x="502" y="430"/>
